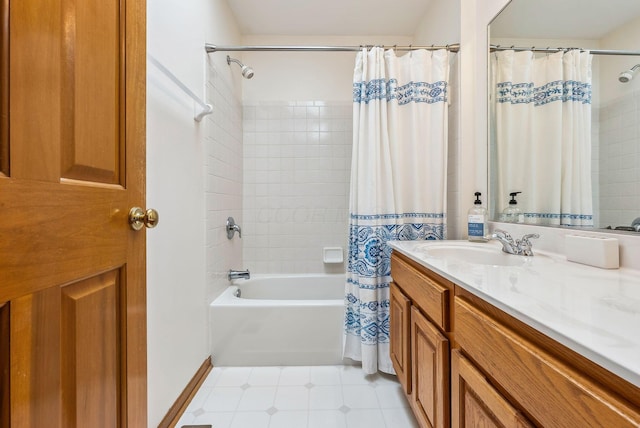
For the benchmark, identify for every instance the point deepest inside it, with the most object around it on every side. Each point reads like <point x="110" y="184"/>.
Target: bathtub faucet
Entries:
<point x="238" y="274"/>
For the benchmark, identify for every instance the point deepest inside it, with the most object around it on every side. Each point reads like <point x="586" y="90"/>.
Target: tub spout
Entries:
<point x="238" y="274"/>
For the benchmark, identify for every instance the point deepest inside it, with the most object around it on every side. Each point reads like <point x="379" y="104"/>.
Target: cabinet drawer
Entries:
<point x="551" y="393"/>
<point x="431" y="297"/>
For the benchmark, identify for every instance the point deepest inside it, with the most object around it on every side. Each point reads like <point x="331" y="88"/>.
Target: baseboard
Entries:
<point x="175" y="412"/>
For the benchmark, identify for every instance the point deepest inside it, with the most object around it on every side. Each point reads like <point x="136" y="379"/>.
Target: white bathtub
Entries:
<point x="279" y="320"/>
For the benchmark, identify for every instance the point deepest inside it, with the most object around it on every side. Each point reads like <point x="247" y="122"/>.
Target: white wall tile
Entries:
<point x="296" y="184"/>
<point x="224" y="172"/>
<point x="618" y="160"/>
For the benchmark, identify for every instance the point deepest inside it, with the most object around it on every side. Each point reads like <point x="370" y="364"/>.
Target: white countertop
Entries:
<point x="593" y="311"/>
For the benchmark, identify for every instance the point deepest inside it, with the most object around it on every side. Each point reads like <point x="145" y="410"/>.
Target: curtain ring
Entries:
<point x="410" y="51"/>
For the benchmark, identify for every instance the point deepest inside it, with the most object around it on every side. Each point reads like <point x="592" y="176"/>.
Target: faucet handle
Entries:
<point x="503" y="234"/>
<point x="232" y="228"/>
<point x="525" y="238"/>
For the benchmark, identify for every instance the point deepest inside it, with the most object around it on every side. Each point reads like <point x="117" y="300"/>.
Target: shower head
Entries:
<point x="627" y="75"/>
<point x="247" y="72"/>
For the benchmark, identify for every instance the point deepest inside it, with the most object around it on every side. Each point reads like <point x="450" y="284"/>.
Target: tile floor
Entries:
<point x="298" y="397"/>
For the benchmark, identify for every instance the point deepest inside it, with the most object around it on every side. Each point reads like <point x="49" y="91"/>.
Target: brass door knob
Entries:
<point x="139" y="218"/>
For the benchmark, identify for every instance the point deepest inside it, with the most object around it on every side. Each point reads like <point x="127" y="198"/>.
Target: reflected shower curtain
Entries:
<point x="543" y="135"/>
<point x="398" y="182"/>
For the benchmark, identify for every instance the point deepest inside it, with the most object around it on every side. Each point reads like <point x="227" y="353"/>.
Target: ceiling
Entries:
<point x="563" y="19"/>
<point x="329" y="17"/>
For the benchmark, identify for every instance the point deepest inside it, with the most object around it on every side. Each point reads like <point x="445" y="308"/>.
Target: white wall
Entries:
<point x="441" y="26"/>
<point x="474" y="18"/>
<point x="305" y="76"/>
<point x="626" y="37"/>
<point x="176" y="145"/>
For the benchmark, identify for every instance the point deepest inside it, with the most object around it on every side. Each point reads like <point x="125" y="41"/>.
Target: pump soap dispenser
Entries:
<point x="511" y="214"/>
<point x="477" y="221"/>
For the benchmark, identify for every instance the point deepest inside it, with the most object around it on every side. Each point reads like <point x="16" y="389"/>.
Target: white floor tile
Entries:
<point x="250" y="420"/>
<point x="292" y="376"/>
<point x="360" y="397"/>
<point x="223" y="399"/>
<point x="366" y="418"/>
<point x="299" y="397"/>
<point x="386" y="379"/>
<point x="289" y="419"/>
<point x="327" y="419"/>
<point x="399" y="418"/>
<point x="391" y="396"/>
<point x="325" y="398"/>
<point x="199" y="399"/>
<point x="257" y="398"/>
<point x="353" y="375"/>
<point x="185" y="419"/>
<point x="233" y="376"/>
<point x="213" y="377"/>
<point x="264" y="376"/>
<point x="325" y="375"/>
<point x="292" y="398"/>
<point x="217" y="419"/>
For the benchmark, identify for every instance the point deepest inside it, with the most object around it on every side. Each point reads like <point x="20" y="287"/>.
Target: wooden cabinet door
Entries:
<point x="430" y="372"/>
<point x="400" y="330"/>
<point x="72" y="273"/>
<point x="475" y="403"/>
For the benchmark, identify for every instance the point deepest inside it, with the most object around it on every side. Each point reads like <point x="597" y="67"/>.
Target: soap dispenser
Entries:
<point x="511" y="214"/>
<point x="477" y="221"/>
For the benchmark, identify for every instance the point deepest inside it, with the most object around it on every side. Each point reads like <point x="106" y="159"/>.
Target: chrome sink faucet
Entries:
<point x="519" y="247"/>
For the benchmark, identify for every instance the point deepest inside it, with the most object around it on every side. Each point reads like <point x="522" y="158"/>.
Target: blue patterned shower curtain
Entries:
<point x="542" y="117"/>
<point x="398" y="182"/>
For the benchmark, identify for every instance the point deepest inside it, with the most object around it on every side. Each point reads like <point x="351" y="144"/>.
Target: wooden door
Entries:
<point x="475" y="403"/>
<point x="72" y="285"/>
<point x="400" y="336"/>
<point x="430" y="372"/>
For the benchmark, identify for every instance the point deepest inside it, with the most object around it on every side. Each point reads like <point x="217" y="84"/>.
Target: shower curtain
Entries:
<point x="543" y="135"/>
<point x="398" y="182"/>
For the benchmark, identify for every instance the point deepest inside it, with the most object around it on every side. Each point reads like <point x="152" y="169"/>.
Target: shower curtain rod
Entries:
<point x="494" y="48"/>
<point x="214" y="48"/>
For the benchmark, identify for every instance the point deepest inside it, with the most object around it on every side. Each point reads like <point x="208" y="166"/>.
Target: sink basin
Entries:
<point x="475" y="254"/>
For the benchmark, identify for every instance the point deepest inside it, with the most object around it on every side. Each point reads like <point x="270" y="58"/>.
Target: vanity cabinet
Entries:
<point x="419" y="348"/>
<point x="465" y="363"/>
<point x="475" y="402"/>
<point x="548" y="388"/>
<point x="400" y="339"/>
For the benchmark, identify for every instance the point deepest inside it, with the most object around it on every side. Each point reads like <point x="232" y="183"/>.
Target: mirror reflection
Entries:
<point x="565" y="123"/>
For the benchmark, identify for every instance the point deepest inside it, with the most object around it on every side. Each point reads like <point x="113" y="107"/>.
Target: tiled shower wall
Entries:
<point x="297" y="158"/>
<point x="223" y="181"/>
<point x="619" y="158"/>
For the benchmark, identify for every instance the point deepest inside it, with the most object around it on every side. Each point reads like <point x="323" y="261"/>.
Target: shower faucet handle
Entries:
<point x="232" y="228"/>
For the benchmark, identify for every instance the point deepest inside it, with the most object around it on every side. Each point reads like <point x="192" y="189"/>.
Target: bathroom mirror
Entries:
<point x="613" y="176"/>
